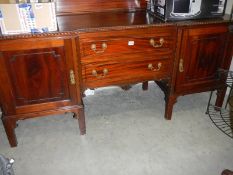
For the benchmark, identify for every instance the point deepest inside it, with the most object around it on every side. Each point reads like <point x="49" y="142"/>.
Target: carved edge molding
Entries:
<point x="39" y="35"/>
<point x="190" y="23"/>
<point x="69" y="34"/>
<point x="124" y="27"/>
<point x="183" y="23"/>
<point x="76" y="32"/>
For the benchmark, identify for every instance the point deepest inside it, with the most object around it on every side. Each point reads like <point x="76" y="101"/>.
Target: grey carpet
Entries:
<point x="126" y="135"/>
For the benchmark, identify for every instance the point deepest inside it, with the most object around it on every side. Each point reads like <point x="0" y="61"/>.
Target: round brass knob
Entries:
<point x="104" y="46"/>
<point x="94" y="72"/>
<point x="150" y="66"/>
<point x="105" y="71"/>
<point x="152" y="41"/>
<point x="93" y="47"/>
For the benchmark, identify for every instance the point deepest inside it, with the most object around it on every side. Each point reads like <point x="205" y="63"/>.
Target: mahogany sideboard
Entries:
<point x="43" y="74"/>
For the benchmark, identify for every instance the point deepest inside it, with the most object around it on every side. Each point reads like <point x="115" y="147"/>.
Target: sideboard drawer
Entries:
<point x="106" y="46"/>
<point x="159" y="39"/>
<point x="115" y="72"/>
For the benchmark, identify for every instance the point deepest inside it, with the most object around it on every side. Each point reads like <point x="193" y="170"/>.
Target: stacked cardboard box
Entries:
<point x="22" y="16"/>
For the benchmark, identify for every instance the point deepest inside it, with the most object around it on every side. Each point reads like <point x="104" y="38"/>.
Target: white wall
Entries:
<point x="229" y="6"/>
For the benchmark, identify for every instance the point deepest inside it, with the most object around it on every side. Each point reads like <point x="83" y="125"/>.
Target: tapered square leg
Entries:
<point x="145" y="86"/>
<point x="170" y="101"/>
<point x="220" y="97"/>
<point x="10" y="125"/>
<point x="81" y="121"/>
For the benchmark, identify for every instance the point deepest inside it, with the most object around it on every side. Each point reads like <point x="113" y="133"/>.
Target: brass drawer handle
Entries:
<point x="157" y="44"/>
<point x="72" y="77"/>
<point x="181" y="65"/>
<point x="95" y="73"/>
<point x="151" y="67"/>
<point x="104" y="47"/>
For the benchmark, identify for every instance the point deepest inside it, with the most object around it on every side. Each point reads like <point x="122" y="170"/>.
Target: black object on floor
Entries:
<point x="6" y="166"/>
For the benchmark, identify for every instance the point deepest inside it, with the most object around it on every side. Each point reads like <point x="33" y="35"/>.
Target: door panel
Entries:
<point x="202" y="54"/>
<point x="37" y="75"/>
<point x="37" y="79"/>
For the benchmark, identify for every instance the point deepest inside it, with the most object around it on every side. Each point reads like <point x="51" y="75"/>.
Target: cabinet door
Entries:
<point x="202" y="53"/>
<point x="37" y="76"/>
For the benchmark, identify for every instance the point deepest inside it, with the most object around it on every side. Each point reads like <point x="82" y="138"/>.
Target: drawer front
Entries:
<point x="157" y="39"/>
<point x="116" y="73"/>
<point x="105" y="46"/>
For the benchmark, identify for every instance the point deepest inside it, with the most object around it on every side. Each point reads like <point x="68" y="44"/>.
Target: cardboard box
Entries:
<point x="27" y="17"/>
<point x="10" y="21"/>
<point x="186" y="9"/>
<point x="24" y="1"/>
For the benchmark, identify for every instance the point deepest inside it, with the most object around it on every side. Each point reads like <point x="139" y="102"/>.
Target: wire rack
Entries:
<point x="222" y="117"/>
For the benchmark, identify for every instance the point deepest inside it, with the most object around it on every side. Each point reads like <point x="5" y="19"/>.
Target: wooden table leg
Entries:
<point x="81" y="121"/>
<point x="220" y="97"/>
<point x="145" y="85"/>
<point x="10" y="125"/>
<point x="170" y="101"/>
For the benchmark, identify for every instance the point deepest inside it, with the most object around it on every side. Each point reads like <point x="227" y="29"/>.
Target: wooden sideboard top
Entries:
<point x="93" y="21"/>
<point x="73" y="24"/>
<point x="118" y="20"/>
<point x="84" y="6"/>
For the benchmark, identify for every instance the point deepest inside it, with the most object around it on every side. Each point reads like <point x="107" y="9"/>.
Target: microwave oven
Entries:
<point x="186" y="9"/>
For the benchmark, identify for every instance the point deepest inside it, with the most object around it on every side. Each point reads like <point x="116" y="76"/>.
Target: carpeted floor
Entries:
<point x="126" y="135"/>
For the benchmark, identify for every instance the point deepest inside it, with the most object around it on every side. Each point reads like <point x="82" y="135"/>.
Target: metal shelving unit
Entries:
<point x="223" y="117"/>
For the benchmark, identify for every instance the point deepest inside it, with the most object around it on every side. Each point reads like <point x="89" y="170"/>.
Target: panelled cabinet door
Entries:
<point x="201" y="55"/>
<point x="35" y="76"/>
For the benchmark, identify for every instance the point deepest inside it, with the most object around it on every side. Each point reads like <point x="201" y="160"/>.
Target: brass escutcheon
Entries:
<point x="181" y="65"/>
<point x="72" y="77"/>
